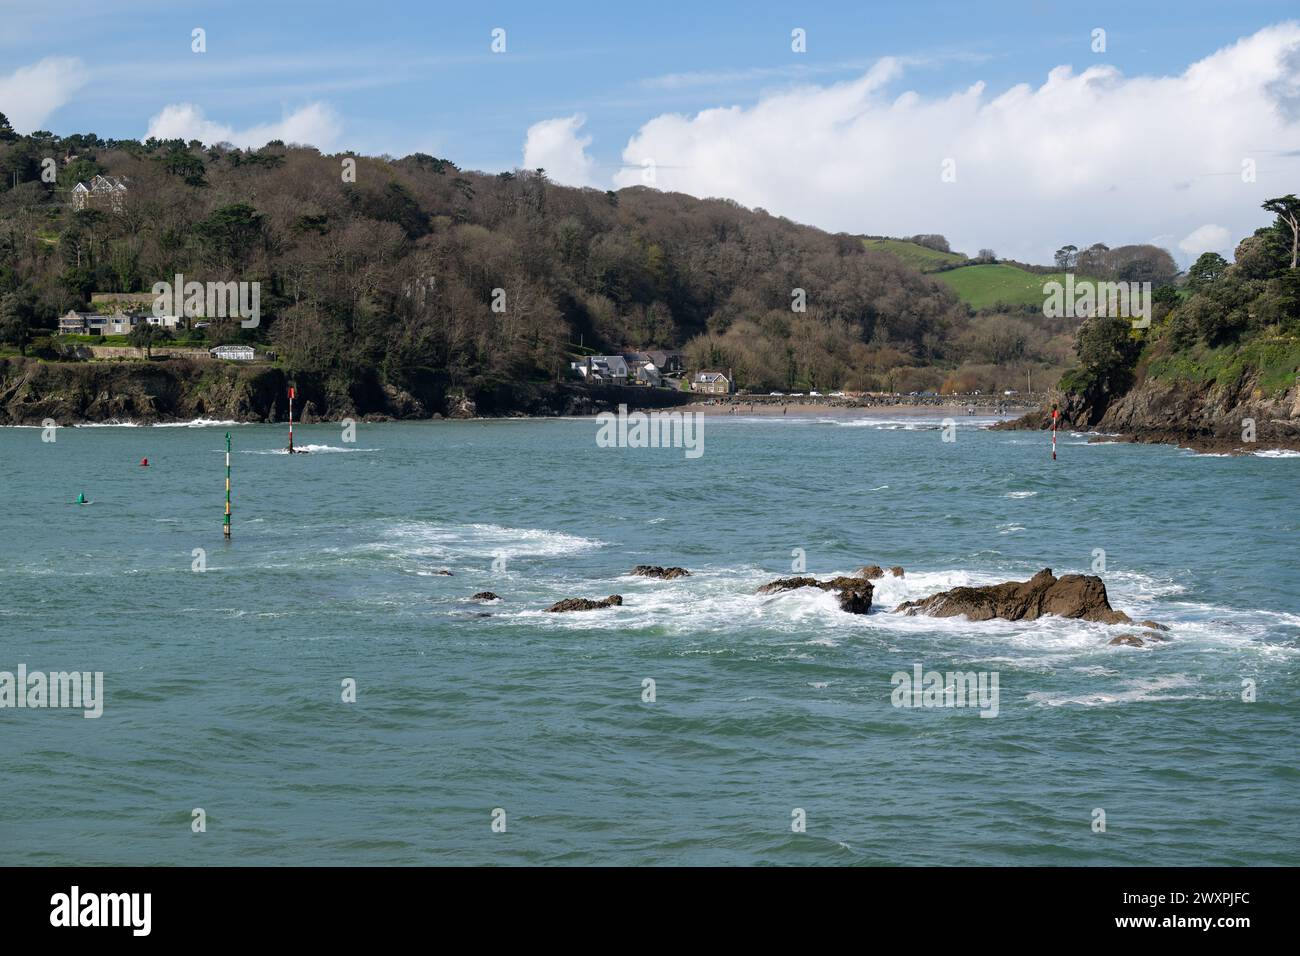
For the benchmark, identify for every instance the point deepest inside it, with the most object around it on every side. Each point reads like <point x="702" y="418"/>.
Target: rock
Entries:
<point x="583" y="604"/>
<point x="485" y="596"/>
<point x="871" y="572"/>
<point x="896" y="571"/>
<point x="1154" y="626"/>
<point x="461" y="407"/>
<point x="442" y="573"/>
<point x="788" y="584"/>
<point x="854" y="593"/>
<point x="1154" y="636"/>
<point x="1072" y="595"/>
<point x="1127" y="640"/>
<point x="654" y="571"/>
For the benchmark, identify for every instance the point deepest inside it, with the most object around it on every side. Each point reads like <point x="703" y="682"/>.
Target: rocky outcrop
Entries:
<point x="896" y="571"/>
<point x="462" y="407"/>
<point x="1126" y="640"/>
<point x="1204" y="416"/>
<point x="485" y="596"/>
<point x="583" y="604"/>
<point x="654" y="571"/>
<point x="854" y="593"/>
<point x="183" y="389"/>
<point x="1080" y="596"/>
<point x="871" y="572"/>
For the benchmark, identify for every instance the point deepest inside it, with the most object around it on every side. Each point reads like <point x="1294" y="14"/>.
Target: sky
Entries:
<point x="1015" y="126"/>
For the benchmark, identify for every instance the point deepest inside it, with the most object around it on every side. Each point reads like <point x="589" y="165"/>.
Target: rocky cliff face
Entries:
<point x="174" y="390"/>
<point x="1203" y="416"/>
<point x="177" y="390"/>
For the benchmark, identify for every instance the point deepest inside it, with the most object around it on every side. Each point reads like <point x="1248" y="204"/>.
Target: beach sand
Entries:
<point x="819" y="410"/>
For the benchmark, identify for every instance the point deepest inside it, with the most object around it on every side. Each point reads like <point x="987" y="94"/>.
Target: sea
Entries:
<point x="322" y="688"/>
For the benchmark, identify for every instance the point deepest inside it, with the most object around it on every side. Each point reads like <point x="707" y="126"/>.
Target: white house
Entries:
<point x="100" y="191"/>
<point x="234" y="353"/>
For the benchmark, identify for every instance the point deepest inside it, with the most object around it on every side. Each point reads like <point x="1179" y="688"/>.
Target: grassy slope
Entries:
<point x="1276" y="358"/>
<point x="981" y="286"/>
<point x="919" y="257"/>
<point x="996" y="284"/>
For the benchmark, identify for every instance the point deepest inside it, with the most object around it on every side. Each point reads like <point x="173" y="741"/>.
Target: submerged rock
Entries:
<point x="1080" y="596"/>
<point x="654" y="571"/>
<point x="1154" y="626"/>
<point x="441" y="573"/>
<point x="583" y="604"/>
<point x="871" y="572"/>
<point x="485" y="596"/>
<point x="896" y="571"/>
<point x="854" y="593"/>
<point x="1127" y="640"/>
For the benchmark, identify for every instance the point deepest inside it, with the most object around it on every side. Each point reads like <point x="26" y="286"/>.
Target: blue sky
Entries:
<point x="398" y="77"/>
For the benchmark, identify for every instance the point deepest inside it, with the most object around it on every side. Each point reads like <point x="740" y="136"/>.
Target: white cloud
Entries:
<point x="316" y="125"/>
<point x="32" y="93"/>
<point x="556" y="146"/>
<point x="1208" y="238"/>
<point x="1091" y="156"/>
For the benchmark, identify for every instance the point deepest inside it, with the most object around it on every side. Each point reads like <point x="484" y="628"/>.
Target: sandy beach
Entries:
<point x="778" y="409"/>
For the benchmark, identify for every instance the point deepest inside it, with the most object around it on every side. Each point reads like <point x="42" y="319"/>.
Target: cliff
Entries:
<point x="1209" y="416"/>
<point x="177" y="390"/>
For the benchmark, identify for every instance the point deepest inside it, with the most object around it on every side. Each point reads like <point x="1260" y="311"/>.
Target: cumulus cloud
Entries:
<point x="31" y="93"/>
<point x="1207" y="238"/>
<point x="1085" y="156"/>
<point x="557" y="146"/>
<point x="316" y="125"/>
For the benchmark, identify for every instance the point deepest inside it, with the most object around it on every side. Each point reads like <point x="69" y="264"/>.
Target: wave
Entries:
<point x="311" y="449"/>
<point x="481" y="542"/>
<point x="200" y="423"/>
<point x="1277" y="453"/>
<point x="1137" y="691"/>
<point x="719" y="611"/>
<point x="1020" y="494"/>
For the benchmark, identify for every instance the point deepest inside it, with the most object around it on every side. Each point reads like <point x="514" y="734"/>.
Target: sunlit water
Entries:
<point x="223" y="688"/>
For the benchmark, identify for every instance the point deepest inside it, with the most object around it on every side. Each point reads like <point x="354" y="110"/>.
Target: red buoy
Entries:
<point x="144" y="462"/>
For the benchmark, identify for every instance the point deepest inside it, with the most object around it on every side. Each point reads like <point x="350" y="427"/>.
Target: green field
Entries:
<point x="918" y="257"/>
<point x="981" y="286"/>
<point x="992" y="285"/>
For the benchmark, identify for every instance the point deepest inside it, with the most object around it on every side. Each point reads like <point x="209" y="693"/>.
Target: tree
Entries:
<point x="1104" y="346"/>
<point x="1065" y="257"/>
<point x="1287" y="209"/>
<point x="185" y="165"/>
<point x="1206" y="270"/>
<point x="932" y="241"/>
<point x="7" y="133"/>
<point x="144" y="335"/>
<point x="16" y="320"/>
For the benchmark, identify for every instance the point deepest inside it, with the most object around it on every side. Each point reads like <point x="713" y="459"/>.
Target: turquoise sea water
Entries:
<point x="223" y="687"/>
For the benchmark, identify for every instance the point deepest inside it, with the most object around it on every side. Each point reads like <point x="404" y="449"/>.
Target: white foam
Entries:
<point x="200" y="423"/>
<point x="1277" y="453"/>
<point x="1020" y="494"/>
<point x="310" y="449"/>
<point x="481" y="542"/>
<point x="1137" y="691"/>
